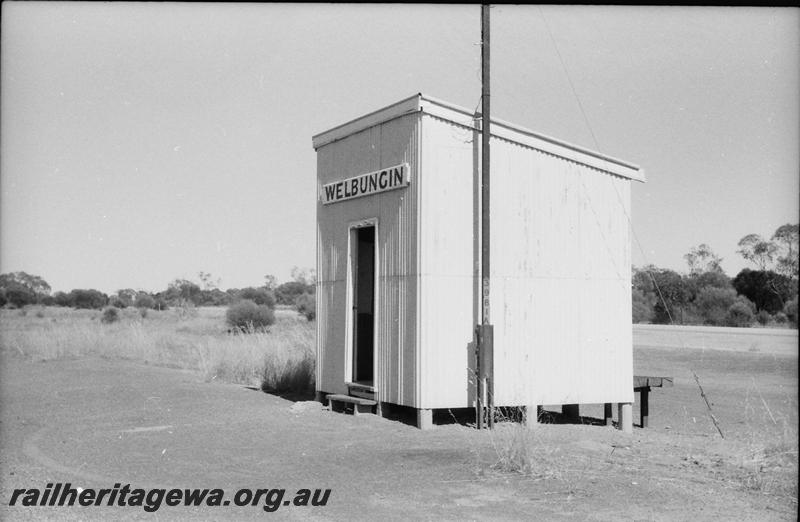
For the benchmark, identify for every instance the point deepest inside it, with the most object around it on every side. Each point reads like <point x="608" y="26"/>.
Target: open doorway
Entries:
<point x="363" y="239"/>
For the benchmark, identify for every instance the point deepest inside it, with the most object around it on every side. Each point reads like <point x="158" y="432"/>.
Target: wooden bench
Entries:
<point x="642" y="384"/>
<point x="360" y="405"/>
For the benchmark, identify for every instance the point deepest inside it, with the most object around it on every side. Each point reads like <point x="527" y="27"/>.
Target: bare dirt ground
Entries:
<point x="96" y="422"/>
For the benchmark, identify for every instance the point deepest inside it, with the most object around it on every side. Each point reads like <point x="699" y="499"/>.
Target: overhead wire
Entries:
<point x="569" y="78"/>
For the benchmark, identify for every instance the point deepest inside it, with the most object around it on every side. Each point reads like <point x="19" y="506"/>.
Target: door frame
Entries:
<point x="352" y="238"/>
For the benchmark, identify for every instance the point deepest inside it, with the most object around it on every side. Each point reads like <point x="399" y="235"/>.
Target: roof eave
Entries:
<point x="500" y="128"/>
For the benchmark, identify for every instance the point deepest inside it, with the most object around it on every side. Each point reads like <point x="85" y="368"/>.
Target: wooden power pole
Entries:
<point x="485" y="330"/>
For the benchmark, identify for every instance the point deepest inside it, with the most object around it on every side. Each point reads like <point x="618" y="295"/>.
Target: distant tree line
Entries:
<point x="765" y="295"/>
<point x="19" y="289"/>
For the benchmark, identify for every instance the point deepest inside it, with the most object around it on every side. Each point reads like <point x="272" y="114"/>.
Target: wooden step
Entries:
<point x="360" y="389"/>
<point x="370" y="396"/>
<point x="352" y="400"/>
<point x="360" y="405"/>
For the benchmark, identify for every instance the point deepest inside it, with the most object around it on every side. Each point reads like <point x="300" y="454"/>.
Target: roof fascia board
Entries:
<point x="406" y="106"/>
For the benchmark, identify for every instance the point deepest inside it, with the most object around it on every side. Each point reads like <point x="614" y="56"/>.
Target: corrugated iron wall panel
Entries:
<point x="560" y="274"/>
<point x="385" y="145"/>
<point x="561" y="280"/>
<point x="448" y="264"/>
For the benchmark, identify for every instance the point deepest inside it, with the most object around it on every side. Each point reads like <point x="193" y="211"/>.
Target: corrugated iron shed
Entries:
<point x="561" y="294"/>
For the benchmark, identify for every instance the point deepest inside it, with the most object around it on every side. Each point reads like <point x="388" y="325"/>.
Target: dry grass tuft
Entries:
<point x="520" y="448"/>
<point x="517" y="448"/>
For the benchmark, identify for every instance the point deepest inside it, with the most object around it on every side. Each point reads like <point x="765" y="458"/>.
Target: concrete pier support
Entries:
<point x="424" y="419"/>
<point x="532" y="413"/>
<point x="625" y="412"/>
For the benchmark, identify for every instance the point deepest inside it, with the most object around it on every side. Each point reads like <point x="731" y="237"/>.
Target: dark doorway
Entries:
<point x="364" y="305"/>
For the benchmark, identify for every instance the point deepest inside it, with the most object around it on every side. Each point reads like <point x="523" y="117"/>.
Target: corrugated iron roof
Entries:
<point x="500" y="129"/>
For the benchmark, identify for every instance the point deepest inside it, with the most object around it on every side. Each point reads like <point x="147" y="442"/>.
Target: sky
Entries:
<point x="145" y="142"/>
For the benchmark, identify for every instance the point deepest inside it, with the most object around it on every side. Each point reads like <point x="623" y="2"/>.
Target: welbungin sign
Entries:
<point x="366" y="184"/>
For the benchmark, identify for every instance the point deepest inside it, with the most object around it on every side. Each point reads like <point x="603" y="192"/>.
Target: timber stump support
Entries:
<point x="608" y="414"/>
<point x="572" y="412"/>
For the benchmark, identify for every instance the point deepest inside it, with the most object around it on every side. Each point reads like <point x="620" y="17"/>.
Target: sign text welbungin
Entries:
<point x="365" y="184"/>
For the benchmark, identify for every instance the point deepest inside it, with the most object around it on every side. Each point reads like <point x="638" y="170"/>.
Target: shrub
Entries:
<point x="20" y="296"/>
<point x="642" y="306"/>
<point x="306" y="305"/>
<point x="215" y="297"/>
<point x="182" y="290"/>
<point x="692" y="315"/>
<point x="288" y="292"/>
<point x="712" y="278"/>
<point x="781" y="318"/>
<point x="768" y="290"/>
<point x="675" y="292"/>
<point x="62" y="299"/>
<point x="246" y="315"/>
<point x="22" y="289"/>
<point x="144" y="301"/>
<point x="110" y="315"/>
<point x="118" y="302"/>
<point x="713" y="304"/>
<point x="763" y="317"/>
<point x="260" y="296"/>
<point x="88" y="299"/>
<point x="740" y="313"/>
<point x="790" y="309"/>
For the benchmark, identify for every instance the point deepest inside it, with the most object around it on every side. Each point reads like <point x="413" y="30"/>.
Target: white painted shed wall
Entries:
<point x="560" y="298"/>
<point x="449" y="263"/>
<point x="561" y="293"/>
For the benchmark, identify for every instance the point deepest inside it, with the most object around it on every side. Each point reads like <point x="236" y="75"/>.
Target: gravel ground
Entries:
<point x="96" y="422"/>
